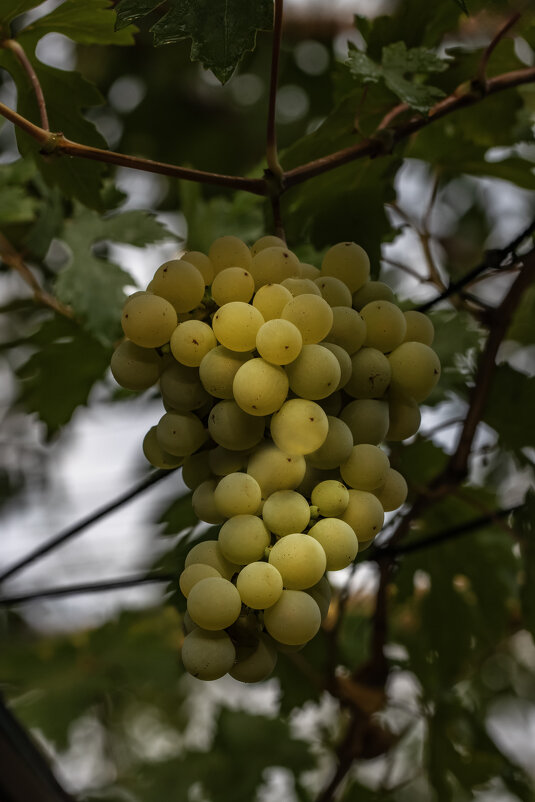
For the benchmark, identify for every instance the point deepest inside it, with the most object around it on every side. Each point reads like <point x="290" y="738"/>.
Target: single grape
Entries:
<point x="259" y="585"/>
<point x="202" y="263"/>
<point x="135" y="368"/>
<point x="415" y="370"/>
<point x="393" y="492"/>
<point x="273" y="265"/>
<point x="237" y="494"/>
<point x="214" y="603"/>
<point x="279" y="341"/>
<point x="149" y="321"/>
<point x="299" y="427"/>
<point x="419" y="328"/>
<point x="217" y="370"/>
<point x="191" y="341"/>
<point x="344" y="360"/>
<point x="338" y="540"/>
<point x="404" y="417"/>
<point x="236" y="325"/>
<point x="335" y="292"/>
<point x="366" y="468"/>
<point x="372" y="291"/>
<point x="348" y="329"/>
<point x="258" y="665"/>
<point x="193" y="574"/>
<point x="274" y="469"/>
<point x="370" y="375"/>
<point x="222" y="461"/>
<point x="315" y="373"/>
<point x="336" y="448"/>
<point x="312" y="477"/>
<point x="300" y="560"/>
<point x="208" y="655"/>
<point x="180" y="433"/>
<point x="203" y="502"/>
<point x="268" y="241"/>
<point x="312" y="315"/>
<point x="260" y="388"/>
<point x="331" y="497"/>
<point x="294" y="619"/>
<point x="180" y="283"/>
<point x="181" y="388"/>
<point x="208" y="552"/>
<point x="321" y="593"/>
<point x="229" y="251"/>
<point x="385" y="325"/>
<point x="348" y="262"/>
<point x="244" y="539"/>
<point x="364" y="514"/>
<point x="233" y="428"/>
<point x="196" y="469"/>
<point x="301" y="286"/>
<point x="155" y="454"/>
<point x="232" y="284"/>
<point x="270" y="300"/>
<point x="286" y="511"/>
<point x="367" y="419"/>
<point x="309" y="271"/>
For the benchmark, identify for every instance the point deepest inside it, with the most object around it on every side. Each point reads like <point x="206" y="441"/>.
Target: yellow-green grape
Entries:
<point x="268" y="241"/>
<point x="208" y="552"/>
<point x="420" y="329"/>
<point x="243" y="539"/>
<point x="260" y="388"/>
<point x="286" y="512"/>
<point x="299" y="427"/>
<point x="315" y="373"/>
<point x="344" y="360"/>
<point x="196" y="469"/>
<point x="229" y="251"/>
<point x="415" y="370"/>
<point x="237" y="494"/>
<point x="191" y="341"/>
<point x="155" y="454"/>
<point x="222" y="461"/>
<point x="336" y="448"/>
<point x="332" y="404"/>
<point x="348" y="329"/>
<point x="301" y="286"/>
<point x="367" y="419"/>
<point x="365" y="544"/>
<point x="393" y="493"/>
<point x="181" y="388"/>
<point x="149" y="320"/>
<point x="300" y="560"/>
<point x="214" y="603"/>
<point x="259" y="585"/>
<point x="372" y="291"/>
<point x="232" y="284"/>
<point x="335" y="292"/>
<point x="294" y="619"/>
<point x="273" y="265"/>
<point x="366" y="468"/>
<point x="370" y="374"/>
<point x="257" y="666"/>
<point x="135" y="368"/>
<point x="274" y="469"/>
<point x="217" y="370"/>
<point x="202" y="263"/>
<point x="134" y="295"/>
<point x="404" y="416"/>
<point x="312" y="477"/>
<point x="193" y="574"/>
<point x="385" y="325"/>
<point x="270" y="300"/>
<point x="311" y="314"/>
<point x="236" y="325"/>
<point x="208" y="655"/>
<point x="203" y="502"/>
<point x="321" y="593"/>
<point x="330" y="497"/>
<point x="233" y="428"/>
<point x="337" y="540"/>
<point x="309" y="271"/>
<point x="348" y="262"/>
<point x="279" y="341"/>
<point x="180" y="433"/>
<point x="180" y="283"/>
<point x="364" y="514"/>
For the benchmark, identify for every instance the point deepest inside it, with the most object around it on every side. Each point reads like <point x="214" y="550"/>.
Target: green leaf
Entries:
<point x="458" y="341"/>
<point x="522" y="329"/>
<point x="129" y="11"/>
<point x="510" y="404"/>
<point x="16" y="206"/>
<point x="88" y="22"/>
<point x="524" y="520"/>
<point x="178" y="516"/>
<point x="12" y="8"/>
<point x="209" y="219"/>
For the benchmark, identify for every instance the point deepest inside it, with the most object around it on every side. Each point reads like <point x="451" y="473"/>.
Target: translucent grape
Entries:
<point x="385" y="325"/>
<point x="191" y="341"/>
<point x="312" y="315"/>
<point x="258" y="665"/>
<point x="344" y="360"/>
<point x="338" y="540"/>
<point x="270" y="300"/>
<point x="367" y="419"/>
<point x="335" y="292"/>
<point x="274" y="469"/>
<point x="222" y="461"/>
<point x="300" y="560"/>
<point x="181" y="388"/>
<point x="233" y="428"/>
<point x="208" y="552"/>
<point x="364" y="514"/>
<point x="208" y="655"/>
<point x="299" y="427"/>
<point x="301" y="286"/>
<point x="269" y="241"/>
<point x="419" y="328"/>
<point x="315" y="373"/>
<point x="196" y="469"/>
<point x="237" y="494"/>
<point x="404" y="416"/>
<point x="370" y="374"/>
<point x="149" y="321"/>
<point x="214" y="603"/>
<point x="236" y="325"/>
<point x="217" y="370"/>
<point x="180" y="433"/>
<point x="321" y="593"/>
<point x="180" y="283"/>
<point x="135" y="368"/>
<point x="415" y="370"/>
<point x="273" y="265"/>
<point x="348" y="329"/>
<point x="348" y="262"/>
<point x="285" y="512"/>
<point x="156" y="455"/>
<point x="202" y="263"/>
<point x="203" y="502"/>
<point x="372" y="291"/>
<point x="244" y="539"/>
<point x="309" y="271"/>
<point x="366" y="467"/>
<point x="259" y="585"/>
<point x="330" y="497"/>
<point x="279" y="341"/>
<point x="232" y="284"/>
<point x="193" y="574"/>
<point x="336" y="448"/>
<point x="229" y="251"/>
<point x="294" y="619"/>
<point x="393" y="493"/>
<point x="260" y="388"/>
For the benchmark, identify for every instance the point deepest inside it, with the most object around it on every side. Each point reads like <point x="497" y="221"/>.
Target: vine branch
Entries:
<point x="85" y="587"/>
<point x="482" y="70"/>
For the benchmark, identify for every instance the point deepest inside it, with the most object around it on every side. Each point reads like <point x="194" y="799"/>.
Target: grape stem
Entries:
<point x="24" y="61"/>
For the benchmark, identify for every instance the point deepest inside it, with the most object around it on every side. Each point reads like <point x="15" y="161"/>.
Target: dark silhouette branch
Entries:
<point x="84" y="587"/>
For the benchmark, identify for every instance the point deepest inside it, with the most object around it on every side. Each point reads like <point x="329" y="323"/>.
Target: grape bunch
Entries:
<point x="279" y="382"/>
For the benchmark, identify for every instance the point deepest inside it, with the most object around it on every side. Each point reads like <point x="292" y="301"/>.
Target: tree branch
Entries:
<point x="24" y="61"/>
<point x="87" y="587"/>
<point x="482" y="70"/>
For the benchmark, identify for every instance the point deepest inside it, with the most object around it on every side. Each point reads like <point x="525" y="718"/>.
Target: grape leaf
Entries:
<point x="524" y="520"/>
<point x="87" y="22"/>
<point x="522" y="329"/>
<point x="12" y="8"/>
<point x="178" y="516"/>
<point x="510" y="404"/>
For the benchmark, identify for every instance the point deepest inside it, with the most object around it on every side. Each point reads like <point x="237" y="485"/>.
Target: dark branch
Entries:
<point x="87" y="587"/>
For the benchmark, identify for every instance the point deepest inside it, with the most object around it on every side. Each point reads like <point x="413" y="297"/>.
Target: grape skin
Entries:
<point x="270" y="300"/>
<point x="364" y="514"/>
<point x="393" y="492"/>
<point x="208" y="655"/>
<point x="300" y="560"/>
<point x="348" y="329"/>
<point x="299" y="427"/>
<point x="419" y="328"/>
<point x="372" y="291"/>
<point x="214" y="603"/>
<point x="294" y="619"/>
<point x="148" y="320"/>
<point x="260" y="388"/>
<point x="193" y="574"/>
<point x="243" y="539"/>
<point x="330" y="497"/>
<point x="232" y="284"/>
<point x="203" y="502"/>
<point x="191" y="341"/>
<point x="217" y="370"/>
<point x="315" y="373"/>
<point x="338" y="541"/>
<point x="196" y="469"/>
<point x="258" y="665"/>
<point x="135" y="368"/>
<point x="415" y="370"/>
<point x="366" y="467"/>
<point x="180" y="433"/>
<point x="368" y="420"/>
<point x="156" y="455"/>
<point x="180" y="283"/>
<point x="236" y="325"/>
<point x="286" y="511"/>
<point x="209" y="552"/>
<point x="336" y="447"/>
<point x="274" y="469"/>
<point x="312" y="315"/>
<point x="233" y="428"/>
<point x="385" y="325"/>
<point x="370" y="374"/>
<point x="229" y="251"/>
<point x="279" y="341"/>
<point x="237" y="494"/>
<point x="259" y="585"/>
<point x="348" y="262"/>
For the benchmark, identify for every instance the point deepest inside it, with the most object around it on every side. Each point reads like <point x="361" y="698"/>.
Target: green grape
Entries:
<point x="260" y="388"/>
<point x="335" y="292"/>
<point x="155" y="454"/>
<point x="181" y="388"/>
<point x="270" y="300"/>
<point x="321" y="593"/>
<point x="148" y="320"/>
<point x="331" y="497"/>
<point x="259" y="585"/>
<point x="364" y="514"/>
<point x="208" y="655"/>
<point x="232" y="284"/>
<point x="370" y="374"/>
<point x="196" y="469"/>
<point x="299" y="427"/>
<point x="244" y="539"/>
<point x="274" y="469"/>
<point x="415" y="370"/>
<point x="245" y="633"/>
<point x="180" y="433"/>
<point x="233" y="428"/>
<point x="135" y="295"/>
<point x="193" y="574"/>
<point x="311" y="314"/>
<point x="420" y="328"/>
<point x="202" y="263"/>
<point x="279" y="341"/>
<point x="367" y="420"/>
<point x="404" y="415"/>
<point x="338" y="541"/>
<point x="135" y="368"/>
<point x="217" y="370"/>
<point x="258" y="665"/>
<point x="372" y="291"/>
<point x="366" y="467"/>
<point x="294" y="619"/>
<point x="312" y="477"/>
<point x="180" y="283"/>
<point x="309" y="271"/>
<point x="315" y="373"/>
<point x="385" y="325"/>
<point x="229" y="251"/>
<point x="236" y="325"/>
<point x="336" y="448"/>
<point x="191" y="341"/>
<point x="203" y="502"/>
<point x="348" y="329"/>
<point x="222" y="461"/>
<point x="285" y="512"/>
<point x="214" y="603"/>
<point x="237" y="494"/>
<point x="268" y="241"/>
<point x="348" y="262"/>
<point x="344" y="360"/>
<point x="393" y="492"/>
<point x="208" y="552"/>
<point x="301" y="286"/>
<point x="300" y="560"/>
<point x="273" y="265"/>
<point x="332" y="404"/>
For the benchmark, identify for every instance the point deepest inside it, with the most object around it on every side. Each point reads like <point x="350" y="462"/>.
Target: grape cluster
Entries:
<point x="279" y="382"/>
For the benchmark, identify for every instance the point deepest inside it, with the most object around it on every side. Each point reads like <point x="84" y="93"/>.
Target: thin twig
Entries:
<point x="482" y="69"/>
<point x="391" y="115"/>
<point x="24" y="61"/>
<point x="85" y="587"/>
<point x="406" y="269"/>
